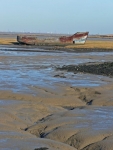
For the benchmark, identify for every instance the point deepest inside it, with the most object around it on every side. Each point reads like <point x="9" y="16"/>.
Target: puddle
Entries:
<point x="95" y="117"/>
<point x="21" y="70"/>
<point x="3" y="140"/>
<point x="8" y="102"/>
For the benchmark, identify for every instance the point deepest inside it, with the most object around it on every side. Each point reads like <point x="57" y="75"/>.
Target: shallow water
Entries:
<point x="98" y="118"/>
<point x="22" y="70"/>
<point x="8" y="102"/>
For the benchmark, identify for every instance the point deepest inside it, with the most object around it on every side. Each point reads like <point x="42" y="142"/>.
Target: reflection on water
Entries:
<point x="20" y="70"/>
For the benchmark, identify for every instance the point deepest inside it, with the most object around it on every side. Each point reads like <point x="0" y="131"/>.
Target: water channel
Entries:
<point x="20" y="70"/>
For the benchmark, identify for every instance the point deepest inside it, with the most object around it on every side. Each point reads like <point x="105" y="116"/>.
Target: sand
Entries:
<point x="55" y="115"/>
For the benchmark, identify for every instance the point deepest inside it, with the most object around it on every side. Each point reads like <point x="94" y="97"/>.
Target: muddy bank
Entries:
<point x="86" y="128"/>
<point x="76" y="50"/>
<point x="51" y="48"/>
<point x="67" y="118"/>
<point x="105" y="68"/>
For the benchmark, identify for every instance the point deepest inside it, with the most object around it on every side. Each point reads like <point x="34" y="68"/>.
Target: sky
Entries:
<point x="57" y="16"/>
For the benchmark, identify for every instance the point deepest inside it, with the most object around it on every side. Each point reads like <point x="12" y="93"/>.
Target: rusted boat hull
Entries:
<point x="29" y="40"/>
<point x="77" y="38"/>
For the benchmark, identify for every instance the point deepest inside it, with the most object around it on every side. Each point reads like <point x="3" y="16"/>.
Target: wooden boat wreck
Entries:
<point x="25" y="39"/>
<point x="77" y="38"/>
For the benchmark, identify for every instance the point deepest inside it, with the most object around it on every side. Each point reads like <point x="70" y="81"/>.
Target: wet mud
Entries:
<point x="44" y="108"/>
<point x="80" y="128"/>
<point x="50" y="48"/>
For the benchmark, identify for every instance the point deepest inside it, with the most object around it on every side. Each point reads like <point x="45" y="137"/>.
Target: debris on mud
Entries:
<point x="42" y="148"/>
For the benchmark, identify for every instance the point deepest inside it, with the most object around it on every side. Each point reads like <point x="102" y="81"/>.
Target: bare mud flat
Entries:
<point x="42" y="108"/>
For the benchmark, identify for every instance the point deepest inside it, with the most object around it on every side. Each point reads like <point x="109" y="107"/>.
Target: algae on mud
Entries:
<point x="105" y="68"/>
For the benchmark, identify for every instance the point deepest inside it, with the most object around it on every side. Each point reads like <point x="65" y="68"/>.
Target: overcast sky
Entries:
<point x="58" y="16"/>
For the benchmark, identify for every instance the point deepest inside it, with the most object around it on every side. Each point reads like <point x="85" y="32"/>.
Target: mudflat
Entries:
<point x="43" y="108"/>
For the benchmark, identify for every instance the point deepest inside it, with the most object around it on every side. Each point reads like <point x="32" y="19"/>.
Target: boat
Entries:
<point x="26" y="39"/>
<point x="77" y="38"/>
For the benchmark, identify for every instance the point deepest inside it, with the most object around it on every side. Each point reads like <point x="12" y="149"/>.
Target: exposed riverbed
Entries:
<point x="22" y="70"/>
<point x="42" y="107"/>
